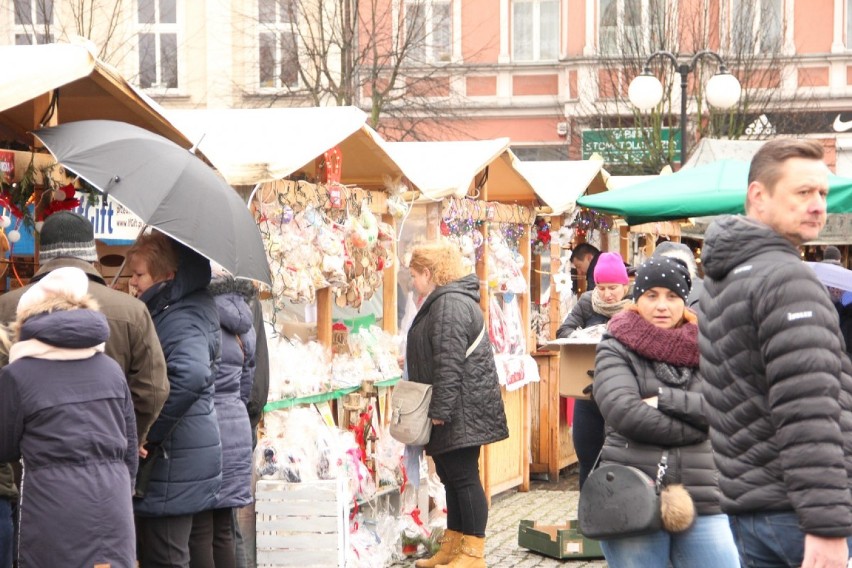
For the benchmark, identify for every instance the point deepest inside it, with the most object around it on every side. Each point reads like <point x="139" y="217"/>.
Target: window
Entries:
<point x="428" y="26"/>
<point x="33" y="21"/>
<point x="632" y="26"/>
<point x="278" y="50"/>
<point x="535" y="30"/>
<point x="158" y="44"/>
<point x="756" y="26"/>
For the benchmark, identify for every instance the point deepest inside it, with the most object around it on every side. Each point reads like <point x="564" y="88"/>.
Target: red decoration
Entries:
<point x="445" y="229"/>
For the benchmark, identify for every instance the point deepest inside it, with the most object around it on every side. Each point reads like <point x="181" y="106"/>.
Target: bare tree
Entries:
<point x="393" y="59"/>
<point x="752" y="46"/>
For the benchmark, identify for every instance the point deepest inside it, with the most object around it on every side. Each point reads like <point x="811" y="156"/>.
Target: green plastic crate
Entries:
<point x="557" y="541"/>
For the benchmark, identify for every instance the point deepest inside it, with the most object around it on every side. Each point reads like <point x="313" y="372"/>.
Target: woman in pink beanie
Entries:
<point x="595" y="307"/>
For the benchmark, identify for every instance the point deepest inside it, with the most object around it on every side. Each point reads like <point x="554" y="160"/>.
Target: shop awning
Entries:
<point x="560" y="183"/>
<point x="87" y="89"/>
<point x="250" y="146"/>
<point x="448" y="169"/>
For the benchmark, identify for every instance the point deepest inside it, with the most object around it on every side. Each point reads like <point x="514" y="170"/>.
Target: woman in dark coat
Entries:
<point x="595" y="307"/>
<point x="648" y="387"/>
<point x="65" y="407"/>
<point x="212" y="541"/>
<point x="184" y="441"/>
<point x="467" y="407"/>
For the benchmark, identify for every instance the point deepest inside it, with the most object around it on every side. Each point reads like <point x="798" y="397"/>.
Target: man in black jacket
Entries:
<point x="584" y="257"/>
<point x="778" y="386"/>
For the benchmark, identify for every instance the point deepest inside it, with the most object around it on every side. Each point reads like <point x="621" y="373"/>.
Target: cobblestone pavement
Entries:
<point x="546" y="503"/>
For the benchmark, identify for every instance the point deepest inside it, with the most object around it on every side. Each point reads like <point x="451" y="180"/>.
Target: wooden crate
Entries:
<point x="551" y="446"/>
<point x="302" y="524"/>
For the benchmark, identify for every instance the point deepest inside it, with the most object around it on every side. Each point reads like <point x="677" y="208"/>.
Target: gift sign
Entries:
<point x="7" y="166"/>
<point x="335" y="196"/>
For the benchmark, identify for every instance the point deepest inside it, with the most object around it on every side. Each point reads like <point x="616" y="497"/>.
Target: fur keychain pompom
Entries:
<point x="677" y="508"/>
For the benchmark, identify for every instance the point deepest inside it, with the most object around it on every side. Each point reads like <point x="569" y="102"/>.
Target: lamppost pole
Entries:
<point x="723" y="89"/>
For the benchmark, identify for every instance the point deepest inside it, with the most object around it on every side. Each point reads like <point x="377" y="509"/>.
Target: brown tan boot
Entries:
<point x="449" y="548"/>
<point x="471" y="554"/>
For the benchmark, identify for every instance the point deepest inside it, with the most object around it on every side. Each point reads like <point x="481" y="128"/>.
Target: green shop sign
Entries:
<point x="626" y="145"/>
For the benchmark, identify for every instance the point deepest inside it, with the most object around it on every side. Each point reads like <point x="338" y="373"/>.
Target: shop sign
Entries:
<point x="625" y="145"/>
<point x="111" y="220"/>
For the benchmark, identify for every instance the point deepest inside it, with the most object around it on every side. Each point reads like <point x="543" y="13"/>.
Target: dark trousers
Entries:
<point x="587" y="433"/>
<point x="211" y="543"/>
<point x="163" y="542"/>
<point x="7" y="533"/>
<point x="467" y="507"/>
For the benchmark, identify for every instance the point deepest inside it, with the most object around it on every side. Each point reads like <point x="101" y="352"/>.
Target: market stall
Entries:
<point x="558" y="185"/>
<point x="324" y="196"/>
<point x="47" y="85"/>
<point x="473" y="193"/>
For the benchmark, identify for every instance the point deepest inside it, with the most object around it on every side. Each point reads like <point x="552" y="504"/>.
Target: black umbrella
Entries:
<point x="166" y="186"/>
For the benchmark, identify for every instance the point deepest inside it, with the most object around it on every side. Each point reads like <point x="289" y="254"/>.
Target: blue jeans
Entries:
<point x="769" y="540"/>
<point x="708" y="543"/>
<point x="7" y="534"/>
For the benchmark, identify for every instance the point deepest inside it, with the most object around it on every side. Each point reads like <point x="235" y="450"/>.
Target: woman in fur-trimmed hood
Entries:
<point x="648" y="387"/>
<point x="79" y="446"/>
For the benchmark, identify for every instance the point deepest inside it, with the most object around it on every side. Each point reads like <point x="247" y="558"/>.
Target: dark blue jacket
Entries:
<point x="188" y="473"/>
<point x="233" y="388"/>
<point x="73" y="423"/>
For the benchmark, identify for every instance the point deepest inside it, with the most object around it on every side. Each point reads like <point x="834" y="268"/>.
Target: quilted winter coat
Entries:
<point x="187" y="476"/>
<point x="465" y="392"/>
<point x="777" y="381"/>
<point x="233" y="387"/>
<point x="73" y="423"/>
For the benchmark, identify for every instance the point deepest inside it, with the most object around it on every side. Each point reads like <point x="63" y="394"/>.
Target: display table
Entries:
<point x="551" y="445"/>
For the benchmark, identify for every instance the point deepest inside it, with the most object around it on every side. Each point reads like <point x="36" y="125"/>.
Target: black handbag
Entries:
<point x="619" y="501"/>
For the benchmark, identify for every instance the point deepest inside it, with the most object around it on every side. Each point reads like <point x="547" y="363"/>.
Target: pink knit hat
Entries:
<point x="610" y="269"/>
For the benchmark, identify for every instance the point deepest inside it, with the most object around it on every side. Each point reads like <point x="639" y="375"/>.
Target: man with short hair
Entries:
<point x="584" y="257"/>
<point x="777" y="384"/>
<point x="68" y="239"/>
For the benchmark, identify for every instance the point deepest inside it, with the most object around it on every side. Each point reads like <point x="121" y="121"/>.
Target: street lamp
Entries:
<point x="646" y="91"/>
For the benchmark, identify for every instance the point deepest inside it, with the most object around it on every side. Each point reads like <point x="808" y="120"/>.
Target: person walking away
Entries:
<point x="68" y="240"/>
<point x="66" y="409"/>
<point x="466" y="407"/>
<point x="647" y="385"/>
<point x="212" y="541"/>
<point x="184" y="443"/>
<point x="777" y="383"/>
<point x="584" y="257"/>
<point x="595" y="307"/>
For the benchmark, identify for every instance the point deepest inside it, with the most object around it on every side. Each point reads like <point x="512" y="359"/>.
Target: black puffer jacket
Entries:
<point x="638" y="433"/>
<point x="465" y="392"/>
<point x="777" y="384"/>
<point x="582" y="315"/>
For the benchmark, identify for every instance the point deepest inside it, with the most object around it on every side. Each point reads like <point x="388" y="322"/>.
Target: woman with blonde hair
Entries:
<point x="448" y="347"/>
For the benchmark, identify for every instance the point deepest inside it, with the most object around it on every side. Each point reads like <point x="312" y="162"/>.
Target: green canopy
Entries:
<point x="712" y="189"/>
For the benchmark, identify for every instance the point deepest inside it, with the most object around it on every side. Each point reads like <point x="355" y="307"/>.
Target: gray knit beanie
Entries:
<point x="67" y="234"/>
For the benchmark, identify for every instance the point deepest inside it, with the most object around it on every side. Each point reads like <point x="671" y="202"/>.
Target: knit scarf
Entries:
<point x="607" y="310"/>
<point x="677" y="347"/>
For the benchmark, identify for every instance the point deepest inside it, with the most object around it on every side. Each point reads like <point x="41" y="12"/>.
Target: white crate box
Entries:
<point x="302" y="524"/>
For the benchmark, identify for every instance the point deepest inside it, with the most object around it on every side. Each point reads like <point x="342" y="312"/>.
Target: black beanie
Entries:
<point x="663" y="272"/>
<point x="67" y="234"/>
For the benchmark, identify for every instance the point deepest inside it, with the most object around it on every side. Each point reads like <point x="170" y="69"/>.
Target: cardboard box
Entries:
<point x="559" y="541"/>
<point x="576" y="366"/>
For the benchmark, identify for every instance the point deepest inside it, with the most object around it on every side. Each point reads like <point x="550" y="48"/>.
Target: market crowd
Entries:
<point x="127" y="420"/>
<point x="731" y="395"/>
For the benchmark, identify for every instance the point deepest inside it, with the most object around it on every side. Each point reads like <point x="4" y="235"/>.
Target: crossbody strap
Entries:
<point x="476" y="342"/>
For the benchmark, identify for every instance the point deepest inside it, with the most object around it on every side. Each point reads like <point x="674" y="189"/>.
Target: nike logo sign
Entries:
<point x="842" y="126"/>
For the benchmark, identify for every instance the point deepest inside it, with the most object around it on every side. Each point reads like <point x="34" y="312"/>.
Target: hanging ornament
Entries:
<point x="286" y="214"/>
<point x="445" y="229"/>
<point x="14" y="236"/>
<point x="5" y="221"/>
